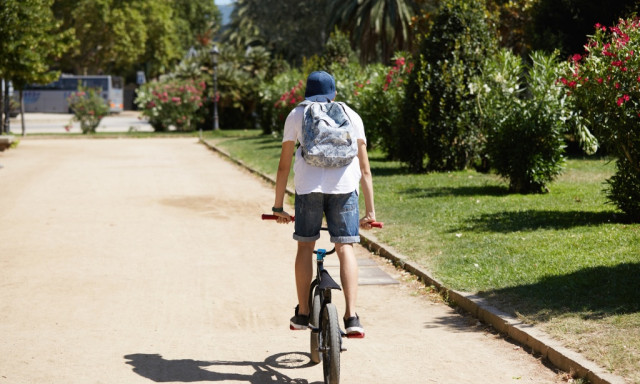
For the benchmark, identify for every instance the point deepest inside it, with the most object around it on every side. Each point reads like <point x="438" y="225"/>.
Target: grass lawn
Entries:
<point x="565" y="261"/>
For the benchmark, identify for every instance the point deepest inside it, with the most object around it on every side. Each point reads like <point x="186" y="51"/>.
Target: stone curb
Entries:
<point x="508" y="325"/>
<point x="5" y="142"/>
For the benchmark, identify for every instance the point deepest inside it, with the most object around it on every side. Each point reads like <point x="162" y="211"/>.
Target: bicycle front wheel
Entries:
<point x="331" y="340"/>
<point x="314" y="321"/>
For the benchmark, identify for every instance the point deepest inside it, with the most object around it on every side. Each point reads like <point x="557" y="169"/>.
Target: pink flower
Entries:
<point x="600" y="80"/>
<point x="576" y="57"/>
<point x="617" y="85"/>
<point x="623" y="99"/>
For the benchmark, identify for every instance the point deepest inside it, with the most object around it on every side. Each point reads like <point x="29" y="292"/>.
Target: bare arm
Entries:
<point x="284" y="167"/>
<point x="366" y="184"/>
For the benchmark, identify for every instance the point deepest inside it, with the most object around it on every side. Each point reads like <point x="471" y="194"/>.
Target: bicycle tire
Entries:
<point x="331" y="340"/>
<point x="314" y="321"/>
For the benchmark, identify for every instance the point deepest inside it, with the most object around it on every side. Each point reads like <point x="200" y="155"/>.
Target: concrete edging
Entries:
<point x="508" y="325"/>
<point x="5" y="142"/>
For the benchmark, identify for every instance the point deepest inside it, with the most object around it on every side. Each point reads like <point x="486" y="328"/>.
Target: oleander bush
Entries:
<point x="171" y="103"/>
<point x="523" y="117"/>
<point x="88" y="108"/>
<point x="604" y="84"/>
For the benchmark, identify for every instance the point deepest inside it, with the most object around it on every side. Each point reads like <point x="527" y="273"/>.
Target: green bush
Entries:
<point x="88" y="108"/>
<point x="439" y="123"/>
<point x="523" y="118"/>
<point x="604" y="83"/>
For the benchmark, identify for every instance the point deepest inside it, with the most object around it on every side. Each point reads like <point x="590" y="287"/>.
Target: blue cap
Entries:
<point x="320" y="87"/>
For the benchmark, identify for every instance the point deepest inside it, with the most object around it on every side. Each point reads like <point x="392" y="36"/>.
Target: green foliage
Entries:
<point x="438" y="120"/>
<point x="338" y="49"/>
<point x="88" y="108"/>
<point x="377" y="27"/>
<point x="109" y="36"/>
<point x="379" y="102"/>
<point x="196" y="21"/>
<point x="114" y="36"/>
<point x="171" y="103"/>
<point x="522" y="114"/>
<point x="290" y="29"/>
<point x="29" y="44"/>
<point x="604" y="84"/>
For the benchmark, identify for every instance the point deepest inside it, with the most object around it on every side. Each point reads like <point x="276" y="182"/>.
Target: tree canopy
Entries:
<point x="117" y="36"/>
<point x="29" y="44"/>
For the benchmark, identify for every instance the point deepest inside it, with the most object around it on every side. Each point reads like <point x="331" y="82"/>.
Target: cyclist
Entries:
<point x="329" y="191"/>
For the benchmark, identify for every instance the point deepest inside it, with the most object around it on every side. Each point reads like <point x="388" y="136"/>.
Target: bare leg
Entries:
<point x="348" y="277"/>
<point x="304" y="274"/>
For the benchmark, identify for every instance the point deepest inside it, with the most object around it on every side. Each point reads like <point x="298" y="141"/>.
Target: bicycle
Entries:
<point x="326" y="335"/>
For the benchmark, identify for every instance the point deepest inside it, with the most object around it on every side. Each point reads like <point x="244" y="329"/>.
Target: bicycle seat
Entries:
<point x="327" y="282"/>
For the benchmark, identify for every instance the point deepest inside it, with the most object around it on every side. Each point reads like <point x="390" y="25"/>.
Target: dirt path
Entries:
<point x="137" y="261"/>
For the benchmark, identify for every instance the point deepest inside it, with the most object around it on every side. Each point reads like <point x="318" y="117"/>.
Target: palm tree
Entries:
<point x="377" y="27"/>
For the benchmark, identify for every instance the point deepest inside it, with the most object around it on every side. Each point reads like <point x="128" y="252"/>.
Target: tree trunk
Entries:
<point x="1" y="107"/>
<point x="24" y="128"/>
<point x="7" y="108"/>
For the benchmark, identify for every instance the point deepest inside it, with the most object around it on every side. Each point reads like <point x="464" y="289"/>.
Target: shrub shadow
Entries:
<point x="592" y="293"/>
<point x="482" y="190"/>
<point x="531" y="220"/>
<point x="154" y="367"/>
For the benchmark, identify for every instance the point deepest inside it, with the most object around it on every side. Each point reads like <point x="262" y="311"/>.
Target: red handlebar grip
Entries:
<point x="273" y="217"/>
<point x="377" y="224"/>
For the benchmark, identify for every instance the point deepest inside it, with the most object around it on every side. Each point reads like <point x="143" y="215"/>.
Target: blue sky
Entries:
<point x="223" y="2"/>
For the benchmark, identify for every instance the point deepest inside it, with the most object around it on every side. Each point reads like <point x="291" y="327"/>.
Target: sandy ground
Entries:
<point x="137" y="261"/>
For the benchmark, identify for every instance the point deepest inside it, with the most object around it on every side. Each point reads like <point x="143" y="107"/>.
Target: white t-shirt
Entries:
<point x="307" y="178"/>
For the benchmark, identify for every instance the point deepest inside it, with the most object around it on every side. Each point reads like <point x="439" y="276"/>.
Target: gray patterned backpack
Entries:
<point x="328" y="139"/>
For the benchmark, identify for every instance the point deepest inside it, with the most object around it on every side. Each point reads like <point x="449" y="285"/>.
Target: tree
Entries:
<point x="29" y="43"/>
<point x="378" y="27"/>
<point x="439" y="124"/>
<point x="290" y="29"/>
<point x="120" y="37"/>
<point x="110" y="36"/>
<point x="196" y="22"/>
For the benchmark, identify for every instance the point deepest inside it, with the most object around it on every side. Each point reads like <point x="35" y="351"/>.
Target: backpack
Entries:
<point x="328" y="139"/>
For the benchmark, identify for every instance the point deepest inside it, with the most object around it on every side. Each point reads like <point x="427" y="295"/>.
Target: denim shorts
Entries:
<point x="341" y="212"/>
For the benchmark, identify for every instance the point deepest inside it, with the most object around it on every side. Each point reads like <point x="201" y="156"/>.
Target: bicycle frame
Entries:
<point x="326" y="335"/>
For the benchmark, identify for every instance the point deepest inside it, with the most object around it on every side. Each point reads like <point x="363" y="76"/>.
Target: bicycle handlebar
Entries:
<point x="375" y="224"/>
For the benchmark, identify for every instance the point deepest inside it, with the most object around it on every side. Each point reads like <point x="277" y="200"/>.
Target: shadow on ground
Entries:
<point x="154" y="367"/>
<point x="470" y="190"/>
<point x="591" y="293"/>
<point x="531" y="220"/>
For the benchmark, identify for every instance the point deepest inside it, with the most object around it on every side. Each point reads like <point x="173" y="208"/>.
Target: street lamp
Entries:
<point x="214" y="52"/>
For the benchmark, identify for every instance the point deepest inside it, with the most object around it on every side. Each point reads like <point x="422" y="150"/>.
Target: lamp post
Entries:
<point x="214" y="52"/>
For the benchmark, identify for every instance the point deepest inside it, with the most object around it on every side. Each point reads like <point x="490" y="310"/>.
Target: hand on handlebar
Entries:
<point x="365" y="222"/>
<point x="283" y="217"/>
